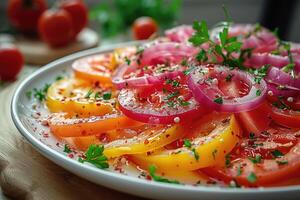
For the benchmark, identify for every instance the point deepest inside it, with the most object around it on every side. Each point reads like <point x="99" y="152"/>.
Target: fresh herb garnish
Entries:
<point x="106" y="96"/>
<point x="59" y="78"/>
<point x="94" y="155"/>
<point x="40" y="94"/>
<point x="196" y="155"/>
<point x="282" y="162"/>
<point x="256" y="159"/>
<point x="239" y="170"/>
<point x="174" y="94"/>
<point x="218" y="100"/>
<point x="187" y="143"/>
<point x="258" y="92"/>
<point x="184" y="103"/>
<point x="260" y="73"/>
<point x="227" y="160"/>
<point x="88" y="94"/>
<point x="228" y="77"/>
<point x="127" y="60"/>
<point x="276" y="153"/>
<point x="252" y="178"/>
<point x="152" y="170"/>
<point x="188" y="71"/>
<point x="67" y="149"/>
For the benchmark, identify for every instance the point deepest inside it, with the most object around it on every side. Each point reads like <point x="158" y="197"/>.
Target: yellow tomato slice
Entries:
<point x="120" y="55"/>
<point x="70" y="95"/>
<point x="95" y="68"/>
<point x="152" y="138"/>
<point x="208" y="147"/>
<point x="61" y="126"/>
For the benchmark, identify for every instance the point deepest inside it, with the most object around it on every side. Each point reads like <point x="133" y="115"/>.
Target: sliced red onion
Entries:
<point x="259" y="59"/>
<point x="279" y="77"/>
<point x="180" y="33"/>
<point x="206" y="93"/>
<point x="147" y="113"/>
<point x="167" y="52"/>
<point x="277" y="90"/>
<point x="120" y="82"/>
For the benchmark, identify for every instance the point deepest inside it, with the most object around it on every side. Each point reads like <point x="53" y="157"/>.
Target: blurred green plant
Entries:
<point x="117" y="16"/>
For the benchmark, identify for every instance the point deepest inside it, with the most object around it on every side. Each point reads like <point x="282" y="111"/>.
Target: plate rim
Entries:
<point x="57" y="157"/>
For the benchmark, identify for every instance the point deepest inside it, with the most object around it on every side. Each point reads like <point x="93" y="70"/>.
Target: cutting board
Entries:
<point x="37" y="52"/>
<point x="25" y="174"/>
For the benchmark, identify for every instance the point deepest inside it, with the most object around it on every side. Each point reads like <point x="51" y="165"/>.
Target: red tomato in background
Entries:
<point x="11" y="62"/>
<point x="78" y="12"/>
<point x="24" y="14"/>
<point x="56" y="27"/>
<point x="144" y="27"/>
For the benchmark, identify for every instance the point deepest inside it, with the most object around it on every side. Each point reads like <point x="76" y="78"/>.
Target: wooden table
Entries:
<point x="26" y="174"/>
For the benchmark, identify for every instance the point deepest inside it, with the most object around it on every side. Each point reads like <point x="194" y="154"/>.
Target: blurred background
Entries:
<point x="271" y="13"/>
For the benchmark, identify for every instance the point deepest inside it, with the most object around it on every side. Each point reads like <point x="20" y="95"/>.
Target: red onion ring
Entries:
<point x="205" y="93"/>
<point x="180" y="33"/>
<point x="130" y="106"/>
<point x="279" y="77"/>
<point x="120" y="82"/>
<point x="286" y="92"/>
<point x="167" y="52"/>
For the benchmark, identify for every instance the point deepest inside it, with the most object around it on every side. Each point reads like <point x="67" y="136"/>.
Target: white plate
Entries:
<point x="22" y="116"/>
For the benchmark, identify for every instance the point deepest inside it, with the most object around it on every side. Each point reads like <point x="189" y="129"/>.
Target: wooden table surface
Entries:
<point x="26" y="174"/>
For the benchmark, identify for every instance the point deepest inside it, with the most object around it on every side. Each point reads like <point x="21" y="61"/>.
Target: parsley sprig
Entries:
<point x="94" y="155"/>
<point x="152" y="170"/>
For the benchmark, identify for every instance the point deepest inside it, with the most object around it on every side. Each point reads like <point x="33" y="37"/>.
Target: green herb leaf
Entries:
<point x="258" y="92"/>
<point x="106" y="96"/>
<point x="67" y="149"/>
<point x="40" y="94"/>
<point x="152" y="170"/>
<point x="218" y="100"/>
<point x="256" y="159"/>
<point x="252" y="178"/>
<point x="187" y="143"/>
<point x="94" y="155"/>
<point x="277" y="154"/>
<point x="282" y="162"/>
<point x="88" y="94"/>
<point x="196" y="155"/>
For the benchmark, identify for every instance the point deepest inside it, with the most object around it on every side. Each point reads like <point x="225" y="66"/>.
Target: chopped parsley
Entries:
<point x="187" y="143"/>
<point x="258" y="93"/>
<point x="282" y="162"/>
<point x="67" y="149"/>
<point x="228" y="77"/>
<point x="239" y="170"/>
<point x="196" y="155"/>
<point x="218" y="100"/>
<point x="40" y="94"/>
<point x="97" y="95"/>
<point x="227" y="160"/>
<point x="256" y="159"/>
<point x="152" y="170"/>
<point x="88" y="94"/>
<point x="184" y="103"/>
<point x="252" y="178"/>
<point x="260" y="73"/>
<point x="59" y="78"/>
<point x="106" y="96"/>
<point x="127" y="60"/>
<point x="188" y="71"/>
<point x="184" y="62"/>
<point x="94" y="155"/>
<point x="174" y="94"/>
<point x="277" y="154"/>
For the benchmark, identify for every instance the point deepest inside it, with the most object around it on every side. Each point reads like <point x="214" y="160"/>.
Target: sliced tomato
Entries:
<point x="61" y="126"/>
<point x="272" y="157"/>
<point x="255" y="121"/>
<point x="95" y="68"/>
<point x="77" y="97"/>
<point x="208" y="140"/>
<point x="289" y="118"/>
<point x="122" y="55"/>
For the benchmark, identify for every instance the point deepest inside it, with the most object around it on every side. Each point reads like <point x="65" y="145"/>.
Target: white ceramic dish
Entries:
<point x="21" y="115"/>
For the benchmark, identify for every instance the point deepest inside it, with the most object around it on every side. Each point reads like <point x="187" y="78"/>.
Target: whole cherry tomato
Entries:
<point x="11" y="62"/>
<point x="144" y="27"/>
<point x="56" y="27"/>
<point x="24" y="14"/>
<point x="79" y="14"/>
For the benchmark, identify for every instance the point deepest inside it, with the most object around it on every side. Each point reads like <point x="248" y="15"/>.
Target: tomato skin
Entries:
<point x="144" y="27"/>
<point x="11" y="62"/>
<point x="78" y="12"/>
<point x="255" y="121"/>
<point x="287" y="118"/>
<point x="25" y="17"/>
<point x="56" y="28"/>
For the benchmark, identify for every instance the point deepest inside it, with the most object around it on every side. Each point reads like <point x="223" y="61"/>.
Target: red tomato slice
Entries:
<point x="272" y="157"/>
<point x="255" y="121"/>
